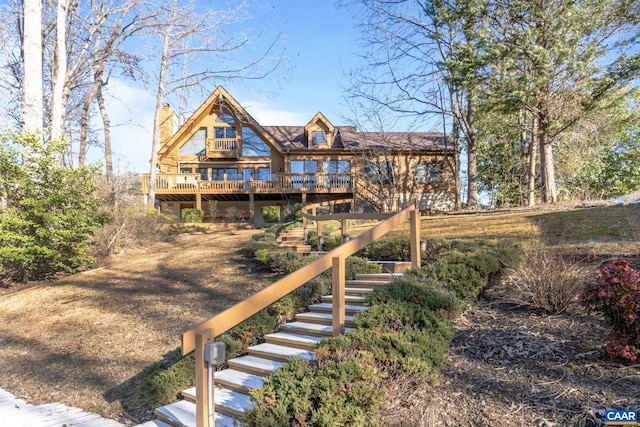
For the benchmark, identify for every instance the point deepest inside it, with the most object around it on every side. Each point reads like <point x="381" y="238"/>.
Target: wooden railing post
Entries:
<point x="319" y="234"/>
<point x="414" y="218"/>
<point x="202" y="387"/>
<point x="338" y="302"/>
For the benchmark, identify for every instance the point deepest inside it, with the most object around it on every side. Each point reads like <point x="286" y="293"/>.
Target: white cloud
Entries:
<point x="266" y="115"/>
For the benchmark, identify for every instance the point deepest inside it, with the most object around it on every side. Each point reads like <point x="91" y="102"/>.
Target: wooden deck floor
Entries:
<point x="16" y="412"/>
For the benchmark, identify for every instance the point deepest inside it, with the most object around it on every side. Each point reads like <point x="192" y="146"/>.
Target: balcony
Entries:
<point x="222" y="148"/>
<point x="285" y="183"/>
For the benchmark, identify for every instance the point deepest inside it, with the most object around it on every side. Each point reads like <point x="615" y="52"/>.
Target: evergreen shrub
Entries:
<point x="270" y="214"/>
<point x="191" y="215"/>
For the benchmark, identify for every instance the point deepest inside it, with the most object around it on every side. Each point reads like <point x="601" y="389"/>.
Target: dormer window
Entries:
<point x="319" y="137"/>
<point x="319" y="132"/>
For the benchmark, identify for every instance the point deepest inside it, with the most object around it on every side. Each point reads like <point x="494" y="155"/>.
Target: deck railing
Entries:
<point x="197" y="337"/>
<point x="221" y="145"/>
<point x="294" y="182"/>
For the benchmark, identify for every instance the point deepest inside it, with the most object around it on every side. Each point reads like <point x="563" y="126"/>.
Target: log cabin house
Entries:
<point x="222" y="160"/>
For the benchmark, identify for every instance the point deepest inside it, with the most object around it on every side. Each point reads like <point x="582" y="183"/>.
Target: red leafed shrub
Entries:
<point x="616" y="294"/>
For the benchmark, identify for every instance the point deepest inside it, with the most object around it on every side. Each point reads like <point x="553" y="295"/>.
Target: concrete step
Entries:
<point x="296" y="247"/>
<point x="227" y="402"/>
<point x="239" y="381"/>
<point x="385" y="277"/>
<point x="306" y="342"/>
<point x="357" y="291"/>
<point x="254" y="365"/>
<point x="278" y="352"/>
<point x="310" y="329"/>
<point x="183" y="414"/>
<point x="397" y="267"/>
<point x="375" y="284"/>
<point x="348" y="299"/>
<point x="322" y="318"/>
<point x="328" y="308"/>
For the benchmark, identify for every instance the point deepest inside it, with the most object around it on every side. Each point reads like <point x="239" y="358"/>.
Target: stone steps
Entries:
<point x="294" y="339"/>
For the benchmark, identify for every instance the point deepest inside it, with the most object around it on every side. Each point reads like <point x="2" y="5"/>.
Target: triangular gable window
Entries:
<point x="196" y="145"/>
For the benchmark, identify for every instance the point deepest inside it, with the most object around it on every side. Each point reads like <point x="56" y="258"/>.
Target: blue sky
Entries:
<point x="321" y="45"/>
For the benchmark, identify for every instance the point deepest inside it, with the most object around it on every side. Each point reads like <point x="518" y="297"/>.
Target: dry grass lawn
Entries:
<point x="78" y="340"/>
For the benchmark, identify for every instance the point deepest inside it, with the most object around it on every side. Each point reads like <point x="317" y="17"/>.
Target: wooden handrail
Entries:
<point x="247" y="308"/>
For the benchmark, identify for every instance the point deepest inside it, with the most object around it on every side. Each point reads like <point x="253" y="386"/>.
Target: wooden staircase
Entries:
<point x="294" y="339"/>
<point x="294" y="240"/>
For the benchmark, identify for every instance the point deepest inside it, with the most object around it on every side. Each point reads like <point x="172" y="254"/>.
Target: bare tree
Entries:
<point x="59" y="73"/>
<point x="197" y="53"/>
<point x="32" y="70"/>
<point x="413" y="55"/>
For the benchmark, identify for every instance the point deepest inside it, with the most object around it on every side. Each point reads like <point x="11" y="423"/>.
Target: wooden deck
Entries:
<point x="287" y="183"/>
<point x="16" y="412"/>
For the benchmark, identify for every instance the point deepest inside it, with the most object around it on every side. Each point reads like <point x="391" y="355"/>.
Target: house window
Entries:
<point x="318" y="137"/>
<point x="264" y="174"/>
<point x="336" y="166"/>
<point x="186" y="170"/>
<point x="203" y="173"/>
<point x="307" y="167"/>
<point x="304" y="166"/>
<point x="379" y="172"/>
<point x="248" y="174"/>
<point x="427" y="172"/>
<point x="217" y="174"/>
<point x="226" y="132"/>
<point x="196" y="145"/>
<point x="252" y="144"/>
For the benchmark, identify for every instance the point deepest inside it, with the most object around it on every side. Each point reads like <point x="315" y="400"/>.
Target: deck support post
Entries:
<point x="319" y="234"/>
<point x="338" y="310"/>
<point x="202" y="387"/>
<point x="198" y="201"/>
<point x="252" y="205"/>
<point x="343" y="229"/>
<point x="414" y="218"/>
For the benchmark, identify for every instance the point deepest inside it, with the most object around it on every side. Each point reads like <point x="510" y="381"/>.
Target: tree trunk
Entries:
<point x="531" y="172"/>
<point x="455" y="138"/>
<point x="155" y="146"/>
<point x="84" y="121"/>
<point x="108" y="154"/>
<point x="59" y="74"/>
<point x="472" y="166"/>
<point x="32" y="61"/>
<point x="547" y="171"/>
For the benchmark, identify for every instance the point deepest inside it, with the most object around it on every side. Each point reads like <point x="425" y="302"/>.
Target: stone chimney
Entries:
<point x="166" y="124"/>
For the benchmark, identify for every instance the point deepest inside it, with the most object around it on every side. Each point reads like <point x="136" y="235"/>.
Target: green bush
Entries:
<point x="357" y="265"/>
<point x="396" y="249"/>
<point x="49" y="212"/>
<point x="404" y="334"/>
<point x="330" y="394"/>
<point x="271" y="214"/>
<point x="329" y="242"/>
<point x="162" y="382"/>
<point x="191" y="215"/>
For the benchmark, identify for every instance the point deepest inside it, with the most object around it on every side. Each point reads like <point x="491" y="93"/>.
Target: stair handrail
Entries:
<point x="243" y="310"/>
<point x="198" y="337"/>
